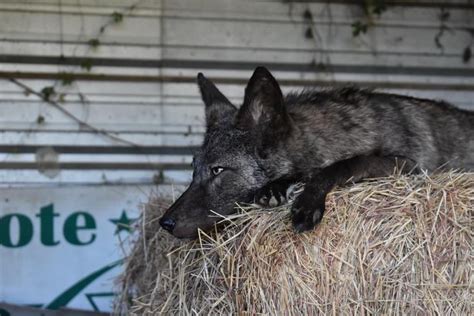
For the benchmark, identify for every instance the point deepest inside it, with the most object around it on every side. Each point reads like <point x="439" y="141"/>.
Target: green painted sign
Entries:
<point x="66" y="253"/>
<point x="78" y="228"/>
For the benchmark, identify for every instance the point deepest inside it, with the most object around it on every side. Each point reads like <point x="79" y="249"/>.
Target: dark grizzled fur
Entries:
<point x="323" y="138"/>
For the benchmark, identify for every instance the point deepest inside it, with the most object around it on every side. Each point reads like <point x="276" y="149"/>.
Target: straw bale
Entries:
<point x="397" y="245"/>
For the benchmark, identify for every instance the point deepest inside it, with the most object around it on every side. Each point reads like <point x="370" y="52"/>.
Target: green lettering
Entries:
<point x="46" y="216"/>
<point x="25" y="230"/>
<point x="72" y="227"/>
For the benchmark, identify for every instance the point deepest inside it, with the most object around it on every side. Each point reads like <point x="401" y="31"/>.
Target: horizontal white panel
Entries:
<point x="246" y="10"/>
<point x="15" y="177"/>
<point x="376" y="79"/>
<point x="100" y="158"/>
<point x="339" y="36"/>
<point x="41" y="69"/>
<point x="82" y="50"/>
<point x="116" y="93"/>
<point x="323" y="12"/>
<point x="131" y="128"/>
<point x="315" y="55"/>
<point x="93" y="139"/>
<point x="281" y="10"/>
<point x="78" y="28"/>
<point x="97" y="115"/>
<point x="81" y="6"/>
<point x="122" y="89"/>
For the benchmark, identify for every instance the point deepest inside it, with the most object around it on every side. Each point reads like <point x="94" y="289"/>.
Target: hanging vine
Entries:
<point x="372" y="9"/>
<point x="46" y="94"/>
<point x="52" y="95"/>
<point x="443" y="27"/>
<point x="372" y="13"/>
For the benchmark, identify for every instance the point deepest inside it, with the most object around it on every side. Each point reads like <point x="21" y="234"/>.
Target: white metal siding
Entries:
<point x="142" y="86"/>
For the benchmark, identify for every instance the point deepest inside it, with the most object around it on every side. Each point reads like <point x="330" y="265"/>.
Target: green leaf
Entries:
<point x="117" y="17"/>
<point x="358" y="27"/>
<point x="40" y="119"/>
<point x="86" y="64"/>
<point x="62" y="98"/>
<point x="379" y="10"/>
<point x="94" y="42"/>
<point x="66" y="78"/>
<point x="47" y="93"/>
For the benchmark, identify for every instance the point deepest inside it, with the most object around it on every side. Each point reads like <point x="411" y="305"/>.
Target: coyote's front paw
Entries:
<point x="273" y="194"/>
<point x="307" y="211"/>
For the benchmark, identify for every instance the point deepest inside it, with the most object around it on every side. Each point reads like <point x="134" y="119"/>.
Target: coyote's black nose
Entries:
<point x="167" y="223"/>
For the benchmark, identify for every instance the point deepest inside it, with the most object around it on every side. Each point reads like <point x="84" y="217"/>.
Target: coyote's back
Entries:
<point x="351" y="121"/>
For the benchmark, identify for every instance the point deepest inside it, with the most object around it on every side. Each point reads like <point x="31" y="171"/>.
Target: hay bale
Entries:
<point x="399" y="245"/>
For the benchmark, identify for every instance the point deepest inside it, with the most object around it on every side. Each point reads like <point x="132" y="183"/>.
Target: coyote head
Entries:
<point x="243" y="150"/>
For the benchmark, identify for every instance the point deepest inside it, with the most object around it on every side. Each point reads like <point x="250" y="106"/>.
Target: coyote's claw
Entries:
<point x="307" y="211"/>
<point x="273" y="194"/>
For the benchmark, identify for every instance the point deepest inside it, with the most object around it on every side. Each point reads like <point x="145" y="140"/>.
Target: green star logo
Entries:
<point x="123" y="223"/>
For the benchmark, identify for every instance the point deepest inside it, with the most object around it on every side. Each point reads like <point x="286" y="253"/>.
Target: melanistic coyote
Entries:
<point x="322" y="138"/>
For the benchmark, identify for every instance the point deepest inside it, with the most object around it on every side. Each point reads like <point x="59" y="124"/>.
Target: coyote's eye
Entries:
<point x="216" y="170"/>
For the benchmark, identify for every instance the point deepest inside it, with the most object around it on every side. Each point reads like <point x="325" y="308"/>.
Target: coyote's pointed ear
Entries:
<point x="264" y="109"/>
<point x="218" y="108"/>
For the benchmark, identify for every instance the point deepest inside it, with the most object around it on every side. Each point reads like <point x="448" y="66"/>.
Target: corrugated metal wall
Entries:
<point x="144" y="55"/>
